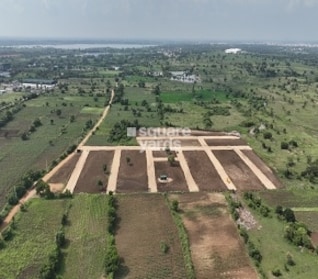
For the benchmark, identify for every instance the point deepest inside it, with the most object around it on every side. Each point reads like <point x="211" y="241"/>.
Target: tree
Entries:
<point x="267" y="135"/>
<point x="141" y="84"/>
<point x="72" y="118"/>
<point x="156" y="90"/>
<point x="279" y="210"/>
<point x="58" y="112"/>
<point x="171" y="159"/>
<point x="24" y="136"/>
<point x="60" y="238"/>
<point x="284" y="145"/>
<point x="289" y="215"/>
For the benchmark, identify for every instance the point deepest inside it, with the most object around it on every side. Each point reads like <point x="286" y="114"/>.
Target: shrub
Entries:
<point x="267" y="135"/>
<point x="290" y="261"/>
<point x="276" y="272"/>
<point x="164" y="247"/>
<point x="111" y="257"/>
<point x="244" y="234"/>
<point x="60" y="238"/>
<point x="175" y="205"/>
<point x="284" y="145"/>
<point x="49" y="269"/>
<point x="254" y="252"/>
<point x="2" y="243"/>
<point x="7" y="233"/>
<point x="289" y="215"/>
<point x="279" y="210"/>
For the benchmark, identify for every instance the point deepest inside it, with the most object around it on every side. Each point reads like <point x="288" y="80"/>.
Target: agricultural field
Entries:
<point x="86" y="234"/>
<point x="148" y="242"/>
<point x="62" y="124"/>
<point x="216" y="247"/>
<point x="33" y="239"/>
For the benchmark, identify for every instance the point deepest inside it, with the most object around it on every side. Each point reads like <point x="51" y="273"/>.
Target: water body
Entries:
<point x="80" y="46"/>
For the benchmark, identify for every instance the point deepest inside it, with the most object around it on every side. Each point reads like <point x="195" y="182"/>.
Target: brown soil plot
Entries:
<point x="263" y="167"/>
<point x="189" y="142"/>
<point x="174" y="172"/>
<point x="93" y="172"/>
<point x="203" y="171"/>
<point x="225" y="142"/>
<point x="216" y="248"/>
<point x="145" y="224"/>
<point x="64" y="173"/>
<point x="238" y="171"/>
<point x="132" y="176"/>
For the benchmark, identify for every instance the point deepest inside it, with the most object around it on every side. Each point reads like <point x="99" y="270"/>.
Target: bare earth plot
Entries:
<point x="178" y="182"/>
<point x="93" y="172"/>
<point x="132" y="175"/>
<point x="225" y="142"/>
<point x="263" y="167"/>
<point x="63" y="174"/>
<point x="216" y="248"/>
<point x="241" y="175"/>
<point x="203" y="171"/>
<point x="141" y="232"/>
<point x="203" y="163"/>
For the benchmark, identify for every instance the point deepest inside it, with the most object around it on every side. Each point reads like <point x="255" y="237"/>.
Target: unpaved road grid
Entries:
<point x="202" y="163"/>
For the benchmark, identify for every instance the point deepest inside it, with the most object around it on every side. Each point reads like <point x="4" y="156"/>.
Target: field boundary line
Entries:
<point x="192" y="186"/>
<point x="112" y="181"/>
<point x="152" y="184"/>
<point x="259" y="174"/>
<point x="71" y="184"/>
<point x="305" y="209"/>
<point x="221" y="171"/>
<point x="186" y="137"/>
<point x="162" y="148"/>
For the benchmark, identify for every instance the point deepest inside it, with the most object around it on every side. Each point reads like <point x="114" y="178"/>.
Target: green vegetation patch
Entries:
<point x="86" y="235"/>
<point x="33" y="239"/>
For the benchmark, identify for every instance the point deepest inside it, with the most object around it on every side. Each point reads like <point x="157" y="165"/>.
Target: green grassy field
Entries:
<point x="274" y="248"/>
<point x="200" y="95"/>
<point x="117" y="113"/>
<point x="48" y="142"/>
<point x="86" y="235"/>
<point x="33" y="240"/>
<point x="291" y="198"/>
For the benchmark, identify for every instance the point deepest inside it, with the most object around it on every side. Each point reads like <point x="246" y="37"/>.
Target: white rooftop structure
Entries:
<point x="233" y="50"/>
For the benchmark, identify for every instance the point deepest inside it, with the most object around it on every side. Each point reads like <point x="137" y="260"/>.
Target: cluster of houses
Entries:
<point x="184" y="77"/>
<point x="32" y="85"/>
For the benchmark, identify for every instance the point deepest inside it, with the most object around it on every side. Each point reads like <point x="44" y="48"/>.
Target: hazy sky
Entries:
<point x="156" y="19"/>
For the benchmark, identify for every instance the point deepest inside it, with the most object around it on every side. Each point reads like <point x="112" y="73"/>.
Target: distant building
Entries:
<point x="184" y="77"/>
<point x="233" y="50"/>
<point x="39" y="83"/>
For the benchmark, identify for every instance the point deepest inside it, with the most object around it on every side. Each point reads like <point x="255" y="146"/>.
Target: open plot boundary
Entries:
<point x="201" y="166"/>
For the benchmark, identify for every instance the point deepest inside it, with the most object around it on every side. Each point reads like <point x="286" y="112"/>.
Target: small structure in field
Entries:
<point x="163" y="178"/>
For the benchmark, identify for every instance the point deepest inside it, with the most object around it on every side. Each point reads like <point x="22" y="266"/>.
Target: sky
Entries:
<point x="252" y="20"/>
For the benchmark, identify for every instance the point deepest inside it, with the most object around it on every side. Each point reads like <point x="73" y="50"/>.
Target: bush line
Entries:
<point x="112" y="260"/>
<point x="185" y="244"/>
